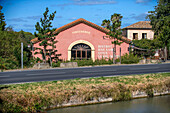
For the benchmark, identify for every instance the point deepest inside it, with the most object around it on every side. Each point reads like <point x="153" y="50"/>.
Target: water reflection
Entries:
<point x="159" y="104"/>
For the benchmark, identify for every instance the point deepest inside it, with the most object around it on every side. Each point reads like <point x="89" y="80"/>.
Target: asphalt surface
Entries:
<point x="82" y="72"/>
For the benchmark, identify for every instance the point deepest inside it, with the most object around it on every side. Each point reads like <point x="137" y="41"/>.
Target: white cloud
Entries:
<point x="28" y="25"/>
<point x="95" y="3"/>
<point x="17" y="20"/>
<point x="143" y="1"/>
<point x="89" y="2"/>
<point x="34" y="17"/>
<point x="73" y="18"/>
<point x="140" y="17"/>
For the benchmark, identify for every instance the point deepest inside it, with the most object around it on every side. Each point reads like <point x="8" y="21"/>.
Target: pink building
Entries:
<point x="82" y="39"/>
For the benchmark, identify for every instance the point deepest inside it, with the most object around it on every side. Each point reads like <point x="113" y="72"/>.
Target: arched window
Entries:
<point x="81" y="51"/>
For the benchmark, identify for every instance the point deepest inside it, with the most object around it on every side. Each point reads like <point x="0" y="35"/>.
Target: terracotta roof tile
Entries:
<point x="141" y="24"/>
<point x="81" y="20"/>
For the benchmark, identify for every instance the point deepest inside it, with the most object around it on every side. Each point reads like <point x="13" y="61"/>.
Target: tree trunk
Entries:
<point x="165" y="53"/>
<point x="45" y="54"/>
<point x="113" y="55"/>
<point x="120" y="55"/>
<point x="50" y="59"/>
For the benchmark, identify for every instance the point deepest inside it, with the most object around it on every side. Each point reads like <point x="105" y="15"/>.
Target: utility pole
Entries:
<point x="21" y="55"/>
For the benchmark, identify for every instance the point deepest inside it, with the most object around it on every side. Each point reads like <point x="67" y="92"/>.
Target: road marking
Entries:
<point x="101" y="76"/>
<point x="5" y="76"/>
<point x="46" y="73"/>
<point x="99" y="71"/>
<point x="144" y="68"/>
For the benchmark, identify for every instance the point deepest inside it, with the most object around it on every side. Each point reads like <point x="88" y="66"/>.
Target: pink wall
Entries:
<point x="103" y="47"/>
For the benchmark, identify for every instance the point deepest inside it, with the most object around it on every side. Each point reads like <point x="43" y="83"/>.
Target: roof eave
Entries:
<point x="78" y="22"/>
<point x="139" y="28"/>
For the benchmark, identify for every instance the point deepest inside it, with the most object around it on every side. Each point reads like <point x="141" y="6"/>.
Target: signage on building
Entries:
<point x="104" y="50"/>
<point x="80" y="32"/>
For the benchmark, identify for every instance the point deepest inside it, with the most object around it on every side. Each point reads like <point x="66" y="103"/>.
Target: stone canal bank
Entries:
<point x="42" y="96"/>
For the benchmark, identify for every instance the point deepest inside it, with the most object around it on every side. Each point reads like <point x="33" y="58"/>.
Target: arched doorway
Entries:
<point x="81" y="51"/>
<point x="83" y="42"/>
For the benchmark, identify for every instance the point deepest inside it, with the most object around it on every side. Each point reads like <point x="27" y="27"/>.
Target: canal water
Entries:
<point x="160" y="104"/>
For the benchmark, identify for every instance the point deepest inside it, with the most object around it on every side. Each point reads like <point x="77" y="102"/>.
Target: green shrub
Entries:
<point x="128" y="59"/>
<point x="149" y="90"/>
<point x="103" y="61"/>
<point x="38" y="60"/>
<point x="57" y="64"/>
<point x="85" y="62"/>
<point x="10" y="63"/>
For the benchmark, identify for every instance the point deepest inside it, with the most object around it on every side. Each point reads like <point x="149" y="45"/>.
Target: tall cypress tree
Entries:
<point x="2" y="20"/>
<point x="45" y="35"/>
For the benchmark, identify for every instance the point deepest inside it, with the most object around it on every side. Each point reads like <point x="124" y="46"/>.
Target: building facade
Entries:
<point x="82" y="39"/>
<point x="139" y="30"/>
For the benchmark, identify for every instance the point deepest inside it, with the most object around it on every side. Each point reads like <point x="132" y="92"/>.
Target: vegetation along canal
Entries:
<point x="158" y="104"/>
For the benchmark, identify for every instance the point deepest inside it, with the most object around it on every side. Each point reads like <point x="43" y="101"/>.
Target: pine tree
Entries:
<point x="45" y="35"/>
<point x="2" y="22"/>
<point x="113" y="25"/>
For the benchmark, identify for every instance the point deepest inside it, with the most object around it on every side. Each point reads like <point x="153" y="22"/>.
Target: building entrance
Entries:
<point x="81" y="51"/>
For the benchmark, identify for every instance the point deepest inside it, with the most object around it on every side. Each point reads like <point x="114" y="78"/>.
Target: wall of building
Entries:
<point x="150" y="34"/>
<point x="103" y="48"/>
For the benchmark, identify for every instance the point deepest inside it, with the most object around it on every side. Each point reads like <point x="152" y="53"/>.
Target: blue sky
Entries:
<point x="23" y="14"/>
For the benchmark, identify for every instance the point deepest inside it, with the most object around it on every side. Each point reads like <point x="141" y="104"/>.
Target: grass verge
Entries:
<point x="35" y="97"/>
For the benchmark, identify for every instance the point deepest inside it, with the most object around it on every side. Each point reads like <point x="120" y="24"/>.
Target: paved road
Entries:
<point x="82" y="72"/>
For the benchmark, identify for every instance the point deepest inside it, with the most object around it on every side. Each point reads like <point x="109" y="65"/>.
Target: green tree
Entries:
<point x="10" y="46"/>
<point x="113" y="25"/>
<point x="160" y="21"/>
<point x="26" y="37"/>
<point x="26" y="55"/>
<point x="9" y="28"/>
<point x="26" y="51"/>
<point x="2" y="20"/>
<point x="146" y="47"/>
<point x="22" y="37"/>
<point x="8" y="41"/>
<point x="52" y="52"/>
<point x="45" y="33"/>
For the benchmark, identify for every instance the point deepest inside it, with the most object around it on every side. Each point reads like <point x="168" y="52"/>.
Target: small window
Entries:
<point x="135" y="36"/>
<point x="144" y="35"/>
